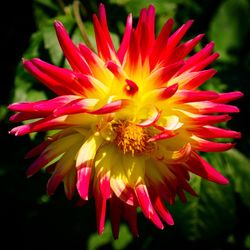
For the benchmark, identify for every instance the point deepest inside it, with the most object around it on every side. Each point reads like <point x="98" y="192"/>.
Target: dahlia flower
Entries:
<point x="128" y="123"/>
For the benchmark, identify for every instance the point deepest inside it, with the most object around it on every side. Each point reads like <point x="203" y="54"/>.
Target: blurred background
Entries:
<point x="218" y="219"/>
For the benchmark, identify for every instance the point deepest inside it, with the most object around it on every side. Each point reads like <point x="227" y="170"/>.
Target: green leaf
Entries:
<point x="135" y="6"/>
<point x="44" y="10"/>
<point x="205" y="217"/>
<point x="47" y="3"/>
<point x="3" y="112"/>
<point x="26" y="87"/>
<point x="77" y="36"/>
<point x="227" y="29"/>
<point x="239" y="172"/>
<point x="96" y="241"/>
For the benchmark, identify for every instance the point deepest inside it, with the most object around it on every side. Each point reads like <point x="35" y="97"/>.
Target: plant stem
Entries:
<point x="76" y="11"/>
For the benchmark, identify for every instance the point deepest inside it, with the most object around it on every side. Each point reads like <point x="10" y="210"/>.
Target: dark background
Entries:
<point x="32" y="220"/>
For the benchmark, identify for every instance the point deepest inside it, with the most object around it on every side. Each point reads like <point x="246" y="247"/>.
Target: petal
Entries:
<point x="73" y="55"/>
<point x="207" y="107"/>
<point x="160" y="43"/>
<point x="210" y="146"/>
<point x="146" y="205"/>
<point x="130" y="214"/>
<point x="111" y="107"/>
<point x="163" y="212"/>
<point x="43" y="107"/>
<point x="101" y="203"/>
<point x="199" y="166"/>
<point x="63" y="167"/>
<point x="76" y="106"/>
<point x="230" y="96"/>
<point x="198" y="57"/>
<point x="183" y="96"/>
<point x="115" y="215"/>
<point x="69" y="182"/>
<point x="154" y="117"/>
<point x="214" y="132"/>
<point x="176" y="37"/>
<point x="84" y="162"/>
<point x="126" y="39"/>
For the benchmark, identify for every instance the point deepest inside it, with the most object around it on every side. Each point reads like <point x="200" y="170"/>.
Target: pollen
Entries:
<point x="130" y="137"/>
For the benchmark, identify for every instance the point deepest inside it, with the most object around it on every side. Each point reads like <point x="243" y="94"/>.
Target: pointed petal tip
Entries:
<point x="58" y="24"/>
<point x="100" y="231"/>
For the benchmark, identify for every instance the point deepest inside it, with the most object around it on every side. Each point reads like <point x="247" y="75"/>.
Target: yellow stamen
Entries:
<point x="130" y="137"/>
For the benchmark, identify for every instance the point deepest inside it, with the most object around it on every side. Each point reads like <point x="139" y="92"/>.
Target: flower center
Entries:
<point x="130" y="137"/>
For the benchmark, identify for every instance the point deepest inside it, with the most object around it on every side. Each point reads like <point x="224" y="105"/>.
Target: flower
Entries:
<point x="130" y="122"/>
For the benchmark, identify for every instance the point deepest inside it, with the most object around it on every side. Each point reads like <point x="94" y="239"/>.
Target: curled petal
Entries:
<point x="151" y="120"/>
<point x="131" y="88"/>
<point x="162" y="136"/>
<point x="111" y="107"/>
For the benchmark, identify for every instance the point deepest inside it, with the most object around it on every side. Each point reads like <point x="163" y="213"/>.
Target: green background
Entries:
<point x="218" y="219"/>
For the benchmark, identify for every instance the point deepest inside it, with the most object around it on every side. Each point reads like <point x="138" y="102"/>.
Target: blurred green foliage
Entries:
<point x="218" y="219"/>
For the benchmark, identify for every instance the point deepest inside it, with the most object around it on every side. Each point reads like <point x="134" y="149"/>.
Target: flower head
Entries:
<point x="129" y="122"/>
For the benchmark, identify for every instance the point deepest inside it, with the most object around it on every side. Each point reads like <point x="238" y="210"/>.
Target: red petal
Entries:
<point x="169" y="91"/>
<point x="189" y="45"/>
<point x="103" y="46"/>
<point x="162" y="136"/>
<point x="209" y="119"/>
<point x="115" y="215"/>
<point x="111" y="107"/>
<point x="69" y="182"/>
<point x="214" y="132"/>
<point x="38" y="149"/>
<point x="199" y="79"/>
<point x="83" y="179"/>
<point x="103" y="22"/>
<point x="126" y="39"/>
<point x="175" y="38"/>
<point x="100" y="211"/>
<point x="199" y="166"/>
<point x="198" y="57"/>
<point x="160" y="43"/>
<point x="230" y="96"/>
<point x="207" y="107"/>
<point x="73" y="55"/>
<point x="75" y="107"/>
<point x="151" y="120"/>
<point x="51" y="83"/>
<point x="43" y="107"/>
<point x="19" y="117"/>
<point x="131" y="88"/>
<point x="130" y="214"/>
<point x="210" y="146"/>
<point x="163" y="212"/>
<point x="41" y="125"/>
<point x="204" y="63"/>
<point x="115" y="69"/>
<point x="146" y="205"/>
<point x="184" y="96"/>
